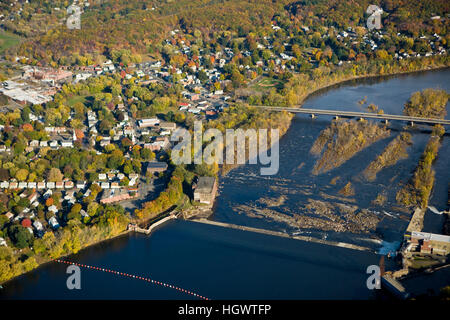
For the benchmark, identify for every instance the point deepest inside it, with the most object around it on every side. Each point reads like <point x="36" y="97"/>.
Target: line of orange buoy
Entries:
<point x="133" y="277"/>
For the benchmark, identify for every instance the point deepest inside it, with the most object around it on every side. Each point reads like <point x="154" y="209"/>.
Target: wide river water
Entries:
<point x="231" y="264"/>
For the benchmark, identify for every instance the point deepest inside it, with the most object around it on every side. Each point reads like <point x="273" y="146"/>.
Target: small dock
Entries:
<point x="136" y="228"/>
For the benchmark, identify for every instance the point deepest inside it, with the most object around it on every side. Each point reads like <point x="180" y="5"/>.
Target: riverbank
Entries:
<point x="41" y="262"/>
<point x="348" y="80"/>
<point x="302" y="86"/>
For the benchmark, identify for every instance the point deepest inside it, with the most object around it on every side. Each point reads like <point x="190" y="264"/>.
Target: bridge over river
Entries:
<point x="361" y="115"/>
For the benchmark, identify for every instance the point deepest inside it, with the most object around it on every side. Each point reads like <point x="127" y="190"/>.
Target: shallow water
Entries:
<point x="245" y="186"/>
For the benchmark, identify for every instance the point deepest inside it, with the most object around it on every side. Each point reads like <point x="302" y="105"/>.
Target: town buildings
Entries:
<point x="430" y="243"/>
<point x="145" y="123"/>
<point x="156" y="167"/>
<point x="115" y="195"/>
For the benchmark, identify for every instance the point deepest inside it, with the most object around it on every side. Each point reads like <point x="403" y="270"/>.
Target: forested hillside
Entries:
<point x="109" y="25"/>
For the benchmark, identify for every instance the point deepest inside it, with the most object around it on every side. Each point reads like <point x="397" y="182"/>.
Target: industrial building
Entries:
<point x="205" y="190"/>
<point x="424" y="242"/>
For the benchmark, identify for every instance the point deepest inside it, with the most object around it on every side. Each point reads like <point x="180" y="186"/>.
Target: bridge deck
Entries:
<point x="360" y="114"/>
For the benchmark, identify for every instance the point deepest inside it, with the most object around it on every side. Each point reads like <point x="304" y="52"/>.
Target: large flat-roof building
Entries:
<point x="151" y="122"/>
<point x="168" y="125"/>
<point x="431" y="243"/>
<point x="156" y="166"/>
<point x="206" y="189"/>
<point x="26" y="95"/>
<point x="115" y="195"/>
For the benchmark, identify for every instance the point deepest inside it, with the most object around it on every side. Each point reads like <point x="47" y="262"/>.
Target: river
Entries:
<point x="232" y="264"/>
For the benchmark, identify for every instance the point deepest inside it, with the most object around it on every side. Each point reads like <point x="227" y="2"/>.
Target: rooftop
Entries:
<point x="430" y="236"/>
<point x="205" y="184"/>
<point x="156" y="164"/>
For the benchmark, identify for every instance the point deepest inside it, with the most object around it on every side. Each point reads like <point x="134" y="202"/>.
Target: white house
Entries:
<point x="67" y="144"/>
<point x="50" y="185"/>
<point x="53" y="222"/>
<point x="104" y="185"/>
<point x="23" y="185"/>
<point x="38" y="226"/>
<point x="32" y="185"/>
<point x="81" y="184"/>
<point x="144" y="123"/>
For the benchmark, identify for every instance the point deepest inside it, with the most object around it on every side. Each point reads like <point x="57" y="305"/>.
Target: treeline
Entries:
<point x="112" y="26"/>
<point x="244" y="117"/>
<point x="299" y="86"/>
<point x="115" y="25"/>
<point x="68" y="240"/>
<point x="412" y="16"/>
<point x="418" y="190"/>
<point x="109" y="26"/>
<point x="69" y="163"/>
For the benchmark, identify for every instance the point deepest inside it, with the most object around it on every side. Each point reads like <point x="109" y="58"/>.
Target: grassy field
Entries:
<point x="8" y="40"/>
<point x="421" y="262"/>
<point x="75" y="99"/>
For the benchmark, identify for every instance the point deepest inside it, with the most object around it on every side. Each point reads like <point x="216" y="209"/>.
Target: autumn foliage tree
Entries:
<point x="27" y="127"/>
<point x="49" y="202"/>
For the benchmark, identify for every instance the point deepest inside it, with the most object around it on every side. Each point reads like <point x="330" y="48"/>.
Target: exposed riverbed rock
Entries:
<point x="347" y="190"/>
<point x="380" y="199"/>
<point x="273" y="202"/>
<point x="319" y="215"/>
<point x="336" y="198"/>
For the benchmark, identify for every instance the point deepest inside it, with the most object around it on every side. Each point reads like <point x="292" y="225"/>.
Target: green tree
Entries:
<point x="55" y="175"/>
<point x="20" y="236"/>
<point x="74" y="212"/>
<point x="22" y="174"/>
